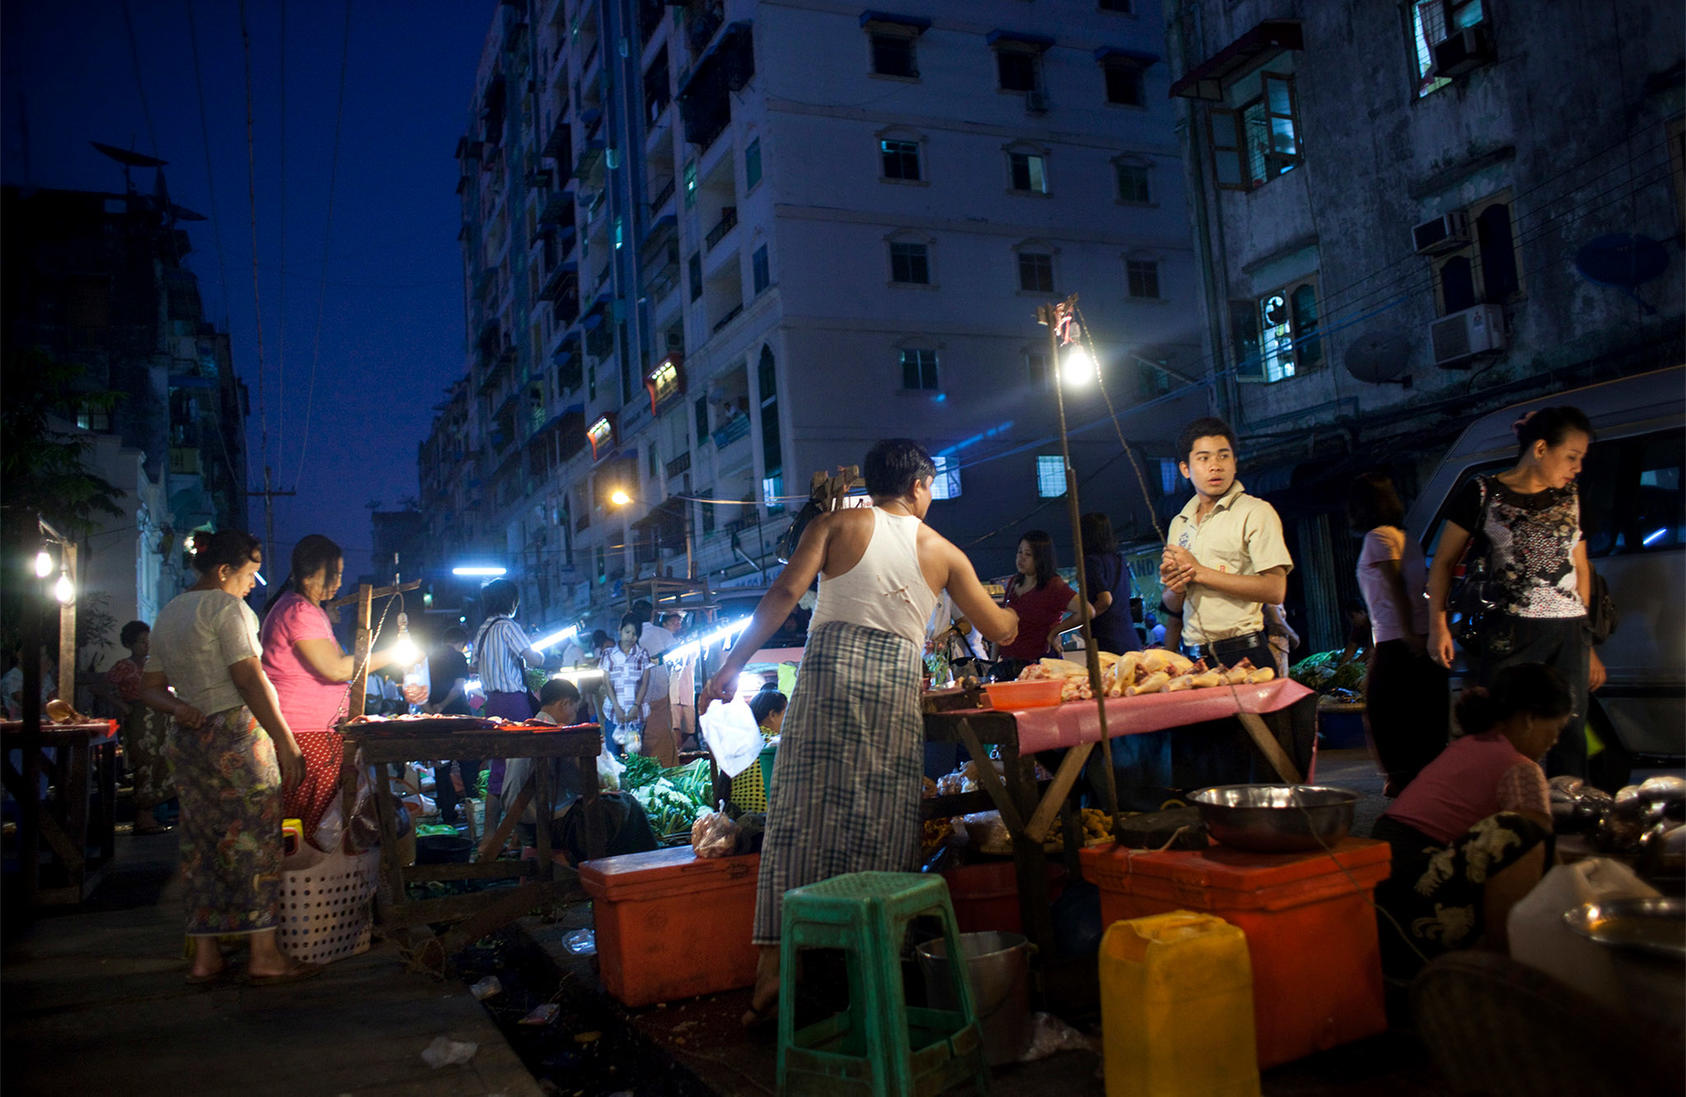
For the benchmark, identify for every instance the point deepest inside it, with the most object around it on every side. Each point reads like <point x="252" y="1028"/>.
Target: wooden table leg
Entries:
<point x="543" y="812"/>
<point x="386" y="809"/>
<point x="1030" y="861"/>
<point x="1263" y="738"/>
<point x="596" y="839"/>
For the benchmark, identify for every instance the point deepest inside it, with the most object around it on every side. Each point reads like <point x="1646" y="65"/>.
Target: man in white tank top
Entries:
<point x="846" y="786"/>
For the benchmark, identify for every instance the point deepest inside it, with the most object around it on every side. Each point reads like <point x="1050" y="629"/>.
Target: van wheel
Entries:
<point x="1610" y="768"/>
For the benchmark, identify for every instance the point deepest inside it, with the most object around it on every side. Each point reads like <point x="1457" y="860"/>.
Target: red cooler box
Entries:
<point x="986" y="895"/>
<point x="672" y="925"/>
<point x="1311" y="930"/>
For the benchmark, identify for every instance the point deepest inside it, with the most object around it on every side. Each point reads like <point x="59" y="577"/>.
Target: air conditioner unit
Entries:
<point x="1443" y="233"/>
<point x="1462" y="51"/>
<point x="1460" y="337"/>
<point x="1036" y="101"/>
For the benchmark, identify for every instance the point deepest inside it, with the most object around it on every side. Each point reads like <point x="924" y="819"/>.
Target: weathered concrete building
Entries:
<point x="1416" y="212"/>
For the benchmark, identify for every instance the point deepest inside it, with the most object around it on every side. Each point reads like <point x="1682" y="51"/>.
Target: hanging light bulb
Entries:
<point x="404" y="650"/>
<point x="64" y="590"/>
<point x="43" y="564"/>
<point x="1077" y="366"/>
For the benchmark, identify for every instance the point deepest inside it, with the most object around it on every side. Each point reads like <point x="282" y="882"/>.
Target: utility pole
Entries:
<point x="268" y="515"/>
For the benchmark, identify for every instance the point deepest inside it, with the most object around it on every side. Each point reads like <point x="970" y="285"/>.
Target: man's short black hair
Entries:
<point x="456" y="636"/>
<point x="1207" y="427"/>
<point x="499" y="597"/>
<point x="558" y="689"/>
<point x="894" y="465"/>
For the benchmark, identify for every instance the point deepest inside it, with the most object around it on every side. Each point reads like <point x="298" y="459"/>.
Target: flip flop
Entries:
<point x="144" y="832"/>
<point x="760" y="1018"/>
<point x="217" y="976"/>
<point x="298" y="974"/>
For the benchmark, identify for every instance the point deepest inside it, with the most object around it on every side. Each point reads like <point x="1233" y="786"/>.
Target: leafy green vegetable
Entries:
<point x="672" y="798"/>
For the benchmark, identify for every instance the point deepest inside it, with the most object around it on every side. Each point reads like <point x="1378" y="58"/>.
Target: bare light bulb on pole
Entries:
<point x="1078" y="367"/>
<point x="64" y="590"/>
<point x="43" y="564"/>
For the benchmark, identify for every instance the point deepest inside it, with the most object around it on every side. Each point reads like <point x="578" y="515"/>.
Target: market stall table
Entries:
<point x="78" y="825"/>
<point x="379" y="742"/>
<point x="1233" y="727"/>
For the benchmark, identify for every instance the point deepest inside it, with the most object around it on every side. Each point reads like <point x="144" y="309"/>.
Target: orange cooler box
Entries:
<point x="672" y="925"/>
<point x="1311" y="931"/>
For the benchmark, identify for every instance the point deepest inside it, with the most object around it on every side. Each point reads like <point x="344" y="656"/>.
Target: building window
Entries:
<point x="910" y="263"/>
<point x="772" y="453"/>
<point x="693" y="274"/>
<point x="893" y="55"/>
<point x="1125" y="6"/>
<point x="1028" y="172"/>
<point x="1432" y="22"/>
<point x="758" y="264"/>
<point x="700" y="407"/>
<point x="1125" y="84"/>
<point x="919" y="368"/>
<point x="1050" y="476"/>
<point x="1277" y="335"/>
<point x="1254" y="143"/>
<point x="1036" y="272"/>
<point x="97" y="420"/>
<point x="690" y="185"/>
<point x="1036" y="368"/>
<point x="1143" y="276"/>
<point x="1485" y="270"/>
<point x="900" y="159"/>
<point x="1018" y="69"/>
<point x="946" y="484"/>
<point x="1133" y="186"/>
<point x="752" y="164"/>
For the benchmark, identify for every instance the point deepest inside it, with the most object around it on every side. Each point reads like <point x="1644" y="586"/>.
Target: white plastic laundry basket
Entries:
<point x="325" y="904"/>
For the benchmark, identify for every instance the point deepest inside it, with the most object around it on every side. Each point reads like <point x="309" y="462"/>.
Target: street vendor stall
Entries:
<point x="1225" y="733"/>
<point x="379" y="742"/>
<point x="76" y="827"/>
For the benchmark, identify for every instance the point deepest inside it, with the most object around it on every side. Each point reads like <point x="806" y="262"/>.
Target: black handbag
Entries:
<point x="1601" y="615"/>
<point x="1470" y="605"/>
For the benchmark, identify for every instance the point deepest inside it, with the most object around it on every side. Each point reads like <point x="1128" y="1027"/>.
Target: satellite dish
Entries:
<point x="182" y="213"/>
<point x="1621" y="259"/>
<point x="1379" y="355"/>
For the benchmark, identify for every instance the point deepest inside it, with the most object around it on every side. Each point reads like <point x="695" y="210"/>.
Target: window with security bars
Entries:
<point x="910" y="263"/>
<point x="1133" y="185"/>
<point x="919" y="368"/>
<point x="1432" y="22"/>
<point x="1255" y="142"/>
<point x="1050" y="476"/>
<point x="946" y="484"/>
<point x="1036" y="272"/>
<point x="1124" y="84"/>
<point x="900" y="159"/>
<point x="1143" y="276"/>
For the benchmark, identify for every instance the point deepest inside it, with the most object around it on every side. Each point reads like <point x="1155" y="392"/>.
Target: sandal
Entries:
<point x="156" y="828"/>
<point x="194" y="979"/>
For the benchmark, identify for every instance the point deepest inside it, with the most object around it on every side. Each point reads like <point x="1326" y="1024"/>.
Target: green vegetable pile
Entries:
<point x="672" y="798"/>
<point x="1324" y="673"/>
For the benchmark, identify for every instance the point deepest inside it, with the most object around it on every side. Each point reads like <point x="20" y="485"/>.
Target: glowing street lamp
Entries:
<point x="621" y="498"/>
<point x="486" y="571"/>
<point x="1078" y="367"/>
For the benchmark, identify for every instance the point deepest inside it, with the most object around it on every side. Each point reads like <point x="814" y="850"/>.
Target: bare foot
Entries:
<point x="763" y="1005"/>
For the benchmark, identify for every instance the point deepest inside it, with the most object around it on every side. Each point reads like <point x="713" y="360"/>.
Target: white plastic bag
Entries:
<point x="609" y="770"/>
<point x="732" y="736"/>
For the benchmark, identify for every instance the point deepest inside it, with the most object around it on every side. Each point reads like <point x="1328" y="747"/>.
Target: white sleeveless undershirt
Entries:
<point x="886" y="590"/>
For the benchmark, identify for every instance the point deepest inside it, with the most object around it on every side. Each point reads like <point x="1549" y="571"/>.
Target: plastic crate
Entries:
<point x="325" y="904"/>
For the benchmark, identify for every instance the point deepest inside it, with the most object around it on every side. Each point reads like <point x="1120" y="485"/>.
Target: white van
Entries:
<point x="1633" y="512"/>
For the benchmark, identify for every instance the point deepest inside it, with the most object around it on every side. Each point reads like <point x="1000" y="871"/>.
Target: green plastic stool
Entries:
<point x="880" y="1045"/>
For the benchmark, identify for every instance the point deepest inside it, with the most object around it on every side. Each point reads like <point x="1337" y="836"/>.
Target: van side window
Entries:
<point x="1631" y="495"/>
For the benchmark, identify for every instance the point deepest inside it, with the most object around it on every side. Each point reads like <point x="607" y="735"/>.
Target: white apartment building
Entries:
<point x="713" y="248"/>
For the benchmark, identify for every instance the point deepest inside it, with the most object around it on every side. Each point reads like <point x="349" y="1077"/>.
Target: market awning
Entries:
<point x="1207" y="79"/>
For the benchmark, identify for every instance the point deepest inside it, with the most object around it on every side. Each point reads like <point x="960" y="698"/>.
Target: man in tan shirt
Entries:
<point x="1224" y="556"/>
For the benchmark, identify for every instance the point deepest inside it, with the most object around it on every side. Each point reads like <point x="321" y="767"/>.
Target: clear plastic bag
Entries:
<point x="732" y="736"/>
<point x="714" y="834"/>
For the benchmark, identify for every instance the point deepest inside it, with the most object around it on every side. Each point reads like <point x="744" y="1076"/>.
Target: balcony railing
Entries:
<point x="738" y="426"/>
<point x="728" y="318"/>
<point x="728" y="221"/>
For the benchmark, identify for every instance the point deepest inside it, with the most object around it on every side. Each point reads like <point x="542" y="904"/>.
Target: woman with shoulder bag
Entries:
<point x="1526" y="522"/>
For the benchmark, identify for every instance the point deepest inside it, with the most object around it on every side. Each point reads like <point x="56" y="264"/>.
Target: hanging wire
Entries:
<point x="210" y="176"/>
<point x="252" y="203"/>
<point x="140" y="85"/>
<point x="327" y="238"/>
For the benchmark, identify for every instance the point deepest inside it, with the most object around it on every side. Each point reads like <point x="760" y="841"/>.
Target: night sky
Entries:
<point x="391" y="327"/>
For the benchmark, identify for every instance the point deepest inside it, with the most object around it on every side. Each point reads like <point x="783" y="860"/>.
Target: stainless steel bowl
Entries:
<point x="1276" y="818"/>
<point x="1650" y="925"/>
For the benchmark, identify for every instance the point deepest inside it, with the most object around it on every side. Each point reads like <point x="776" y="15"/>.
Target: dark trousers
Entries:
<point x="445" y="791"/>
<point x="1558" y="642"/>
<point x="1406" y="711"/>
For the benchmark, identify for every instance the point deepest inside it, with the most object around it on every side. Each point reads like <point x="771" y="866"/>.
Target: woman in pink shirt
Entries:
<point x="1471" y="834"/>
<point x="310" y="670"/>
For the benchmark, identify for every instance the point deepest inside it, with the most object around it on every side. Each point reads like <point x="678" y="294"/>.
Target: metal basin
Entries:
<point x="1650" y="925"/>
<point x="1276" y="818"/>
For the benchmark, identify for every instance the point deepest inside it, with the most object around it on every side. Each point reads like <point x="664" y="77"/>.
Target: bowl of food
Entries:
<point x="1037" y="693"/>
<point x="1276" y="818"/>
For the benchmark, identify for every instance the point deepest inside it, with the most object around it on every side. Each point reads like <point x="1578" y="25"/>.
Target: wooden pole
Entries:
<point x="364" y="600"/>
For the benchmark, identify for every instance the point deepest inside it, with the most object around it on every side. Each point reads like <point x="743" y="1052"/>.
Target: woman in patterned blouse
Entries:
<point x="1526" y="523"/>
